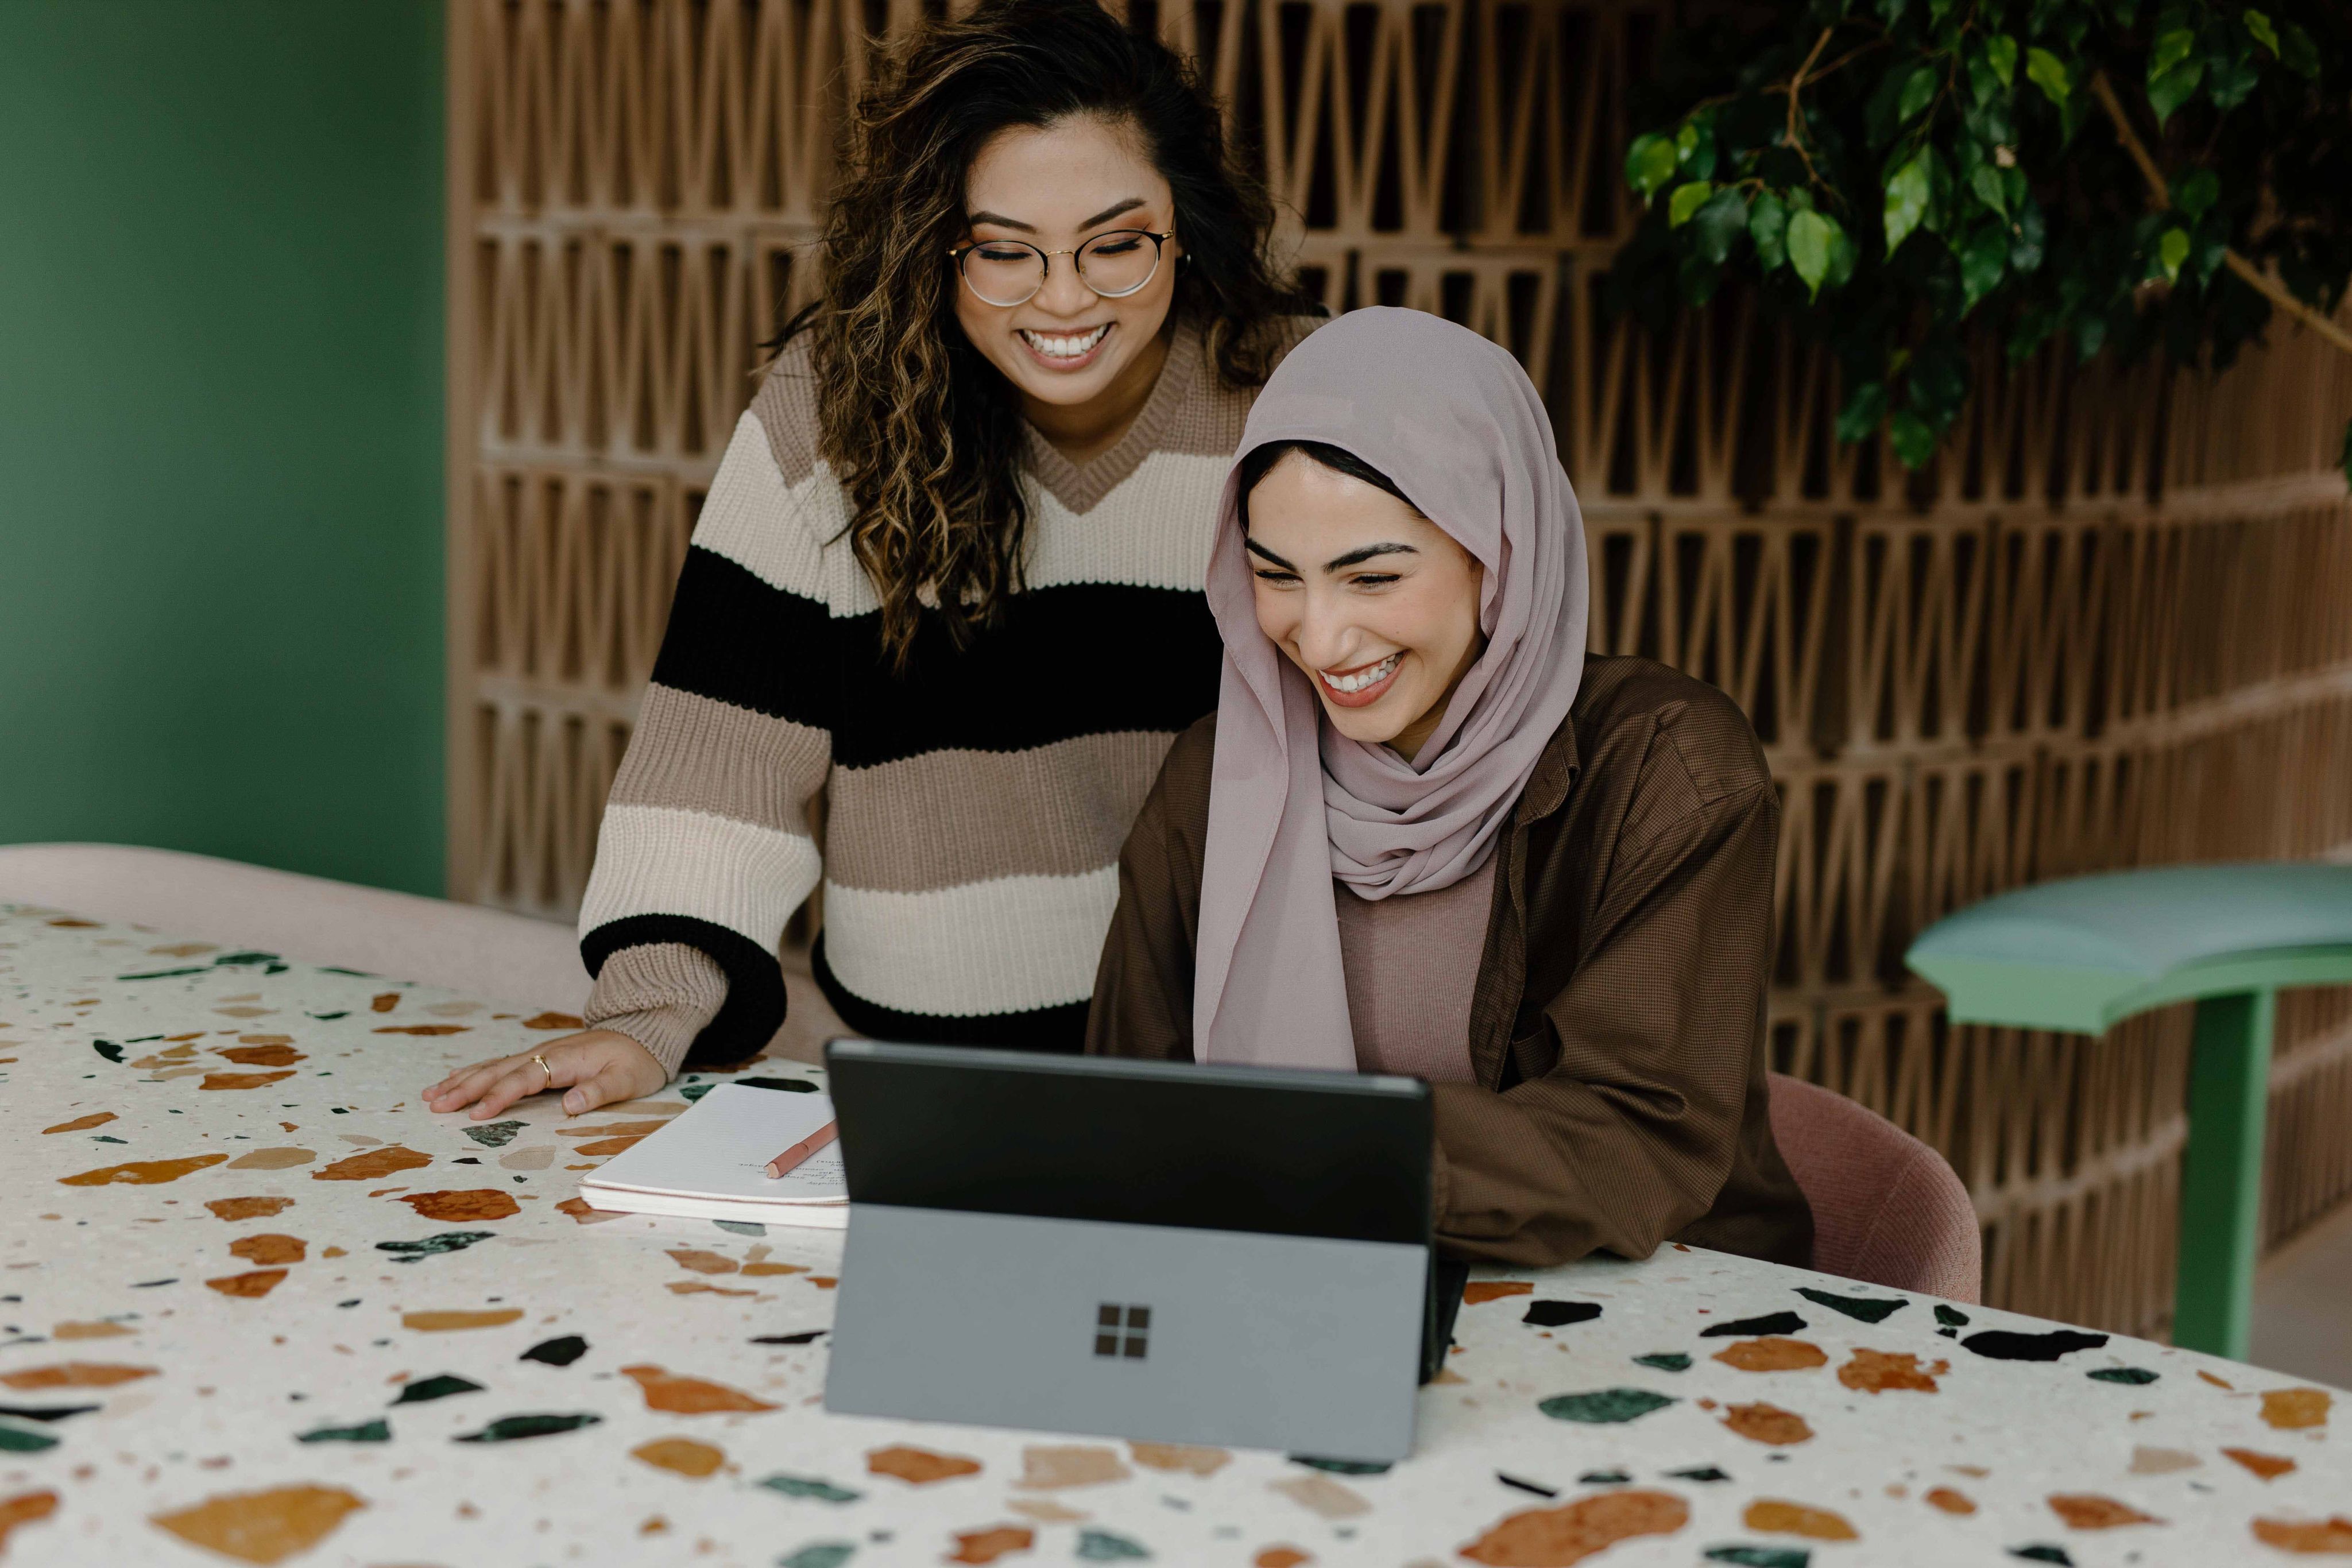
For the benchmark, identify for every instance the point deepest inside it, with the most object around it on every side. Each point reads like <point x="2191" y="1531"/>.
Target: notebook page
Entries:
<point x="720" y="1149"/>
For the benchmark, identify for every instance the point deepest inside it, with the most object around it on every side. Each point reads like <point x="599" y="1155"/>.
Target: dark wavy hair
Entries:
<point x="920" y="426"/>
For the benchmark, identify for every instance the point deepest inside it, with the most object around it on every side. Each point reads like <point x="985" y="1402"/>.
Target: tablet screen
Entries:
<point x="1140" y="1143"/>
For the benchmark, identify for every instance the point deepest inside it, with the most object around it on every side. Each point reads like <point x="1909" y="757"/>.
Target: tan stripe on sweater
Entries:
<point x="661" y="994"/>
<point x="697" y="753"/>
<point x="946" y="817"/>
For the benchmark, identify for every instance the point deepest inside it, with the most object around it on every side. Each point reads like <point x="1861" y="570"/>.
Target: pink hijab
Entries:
<point x="1293" y="804"/>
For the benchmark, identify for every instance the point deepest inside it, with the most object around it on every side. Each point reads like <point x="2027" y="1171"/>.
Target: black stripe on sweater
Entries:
<point x="1060" y="1030"/>
<point x="754" y="1008"/>
<point x="739" y="640"/>
<point x="1080" y="659"/>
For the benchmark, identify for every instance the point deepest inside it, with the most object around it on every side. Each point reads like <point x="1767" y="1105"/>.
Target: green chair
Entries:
<point x="2085" y="954"/>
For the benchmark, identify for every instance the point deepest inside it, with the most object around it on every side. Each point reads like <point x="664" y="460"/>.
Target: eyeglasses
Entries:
<point x="1004" y="272"/>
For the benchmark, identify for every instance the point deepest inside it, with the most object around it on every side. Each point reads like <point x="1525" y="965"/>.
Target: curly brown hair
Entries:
<point x="919" y="425"/>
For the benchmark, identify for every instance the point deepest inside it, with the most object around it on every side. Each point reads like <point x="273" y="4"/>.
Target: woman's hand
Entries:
<point x="595" y="1067"/>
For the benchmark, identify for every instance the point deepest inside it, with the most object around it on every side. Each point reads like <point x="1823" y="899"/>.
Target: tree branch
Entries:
<point x="2160" y="195"/>
<point x="1796" y="84"/>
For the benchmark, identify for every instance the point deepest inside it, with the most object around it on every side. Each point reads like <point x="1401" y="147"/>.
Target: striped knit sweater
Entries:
<point x="973" y="811"/>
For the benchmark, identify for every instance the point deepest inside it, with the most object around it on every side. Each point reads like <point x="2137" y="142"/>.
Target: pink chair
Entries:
<point x="1887" y="1210"/>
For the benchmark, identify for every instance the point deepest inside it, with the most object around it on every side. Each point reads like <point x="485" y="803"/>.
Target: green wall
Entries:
<point x="220" y="429"/>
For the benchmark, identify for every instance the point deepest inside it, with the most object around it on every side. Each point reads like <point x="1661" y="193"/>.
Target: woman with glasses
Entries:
<point x="948" y="579"/>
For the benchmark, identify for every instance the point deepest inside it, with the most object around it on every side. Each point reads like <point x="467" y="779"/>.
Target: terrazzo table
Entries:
<point x="258" y="1305"/>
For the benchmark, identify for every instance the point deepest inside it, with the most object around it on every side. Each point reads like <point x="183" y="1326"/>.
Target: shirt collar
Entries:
<point x="1554" y="776"/>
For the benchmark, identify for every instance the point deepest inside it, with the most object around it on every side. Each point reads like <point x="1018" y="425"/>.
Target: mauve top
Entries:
<point x="1411" y="961"/>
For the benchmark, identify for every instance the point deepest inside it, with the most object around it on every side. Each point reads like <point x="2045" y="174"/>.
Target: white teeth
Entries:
<point x="1064" y="347"/>
<point x="1361" y="678"/>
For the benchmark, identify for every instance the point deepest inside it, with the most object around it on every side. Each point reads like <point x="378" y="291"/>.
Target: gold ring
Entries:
<point x="544" y="1067"/>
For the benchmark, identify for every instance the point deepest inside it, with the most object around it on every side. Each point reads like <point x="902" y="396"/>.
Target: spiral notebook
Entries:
<point x="709" y="1163"/>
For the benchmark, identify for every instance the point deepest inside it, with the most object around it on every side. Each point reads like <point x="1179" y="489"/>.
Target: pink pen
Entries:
<point x="801" y="1150"/>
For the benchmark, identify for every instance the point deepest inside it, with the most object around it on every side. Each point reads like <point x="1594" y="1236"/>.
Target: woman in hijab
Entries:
<point x="1426" y="833"/>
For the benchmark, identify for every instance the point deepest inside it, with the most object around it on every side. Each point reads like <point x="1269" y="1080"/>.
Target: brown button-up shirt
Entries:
<point x="1617" y="1025"/>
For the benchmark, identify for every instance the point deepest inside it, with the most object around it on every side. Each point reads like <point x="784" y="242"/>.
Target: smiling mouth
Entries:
<point x="1362" y="687"/>
<point x="1068" y="347"/>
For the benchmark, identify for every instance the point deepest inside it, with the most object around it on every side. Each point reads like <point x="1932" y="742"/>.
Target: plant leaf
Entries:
<point x="1989" y="188"/>
<point x="1907" y="197"/>
<point x="1650" y="164"/>
<point x="2174" y="87"/>
<point x="1984" y="262"/>
<point x="1914" y="444"/>
<point x="1687" y="198"/>
<point x="2258" y="26"/>
<point x="1811" y="236"/>
<point x="2001" y="52"/>
<point x="2090" y="336"/>
<point x="1864" y="412"/>
<point x="2231" y="81"/>
<point x="2300" y="56"/>
<point x="1844" y="254"/>
<point x="2172" y="250"/>
<point x="2195" y="192"/>
<point x="1718" y="225"/>
<point x="1768" y="225"/>
<point x="1984" y="83"/>
<point x="2027" y="235"/>
<point x="2172" y="46"/>
<point x="1917" y="94"/>
<point x="2206" y="255"/>
<point x="2048" y="72"/>
<point x="1694" y="146"/>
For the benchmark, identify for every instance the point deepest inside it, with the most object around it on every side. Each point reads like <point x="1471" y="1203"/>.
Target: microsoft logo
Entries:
<point x="1111" y="1319"/>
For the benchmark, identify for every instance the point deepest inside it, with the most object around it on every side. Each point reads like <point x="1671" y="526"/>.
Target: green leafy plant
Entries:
<point x="1900" y="175"/>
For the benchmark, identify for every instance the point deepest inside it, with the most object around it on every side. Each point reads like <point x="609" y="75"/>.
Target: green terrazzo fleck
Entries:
<point x="810" y="1485"/>
<point x="1749" y="1328"/>
<point x="1344" y="1466"/>
<point x="1760" y="1556"/>
<point x="1102" y="1546"/>
<point x="1605" y="1404"/>
<point x="509" y="1428"/>
<point x="818" y="1555"/>
<point x="1866" y="1309"/>
<point x="433" y="1245"/>
<point x="376" y="1431"/>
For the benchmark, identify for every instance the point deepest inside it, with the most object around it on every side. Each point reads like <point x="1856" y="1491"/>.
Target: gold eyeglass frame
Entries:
<point x="1046" y="265"/>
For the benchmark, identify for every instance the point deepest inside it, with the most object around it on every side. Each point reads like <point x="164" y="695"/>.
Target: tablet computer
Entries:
<point x="1154" y="1250"/>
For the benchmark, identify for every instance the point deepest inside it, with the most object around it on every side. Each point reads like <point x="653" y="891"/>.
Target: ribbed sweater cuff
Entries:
<point x="661" y="994"/>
